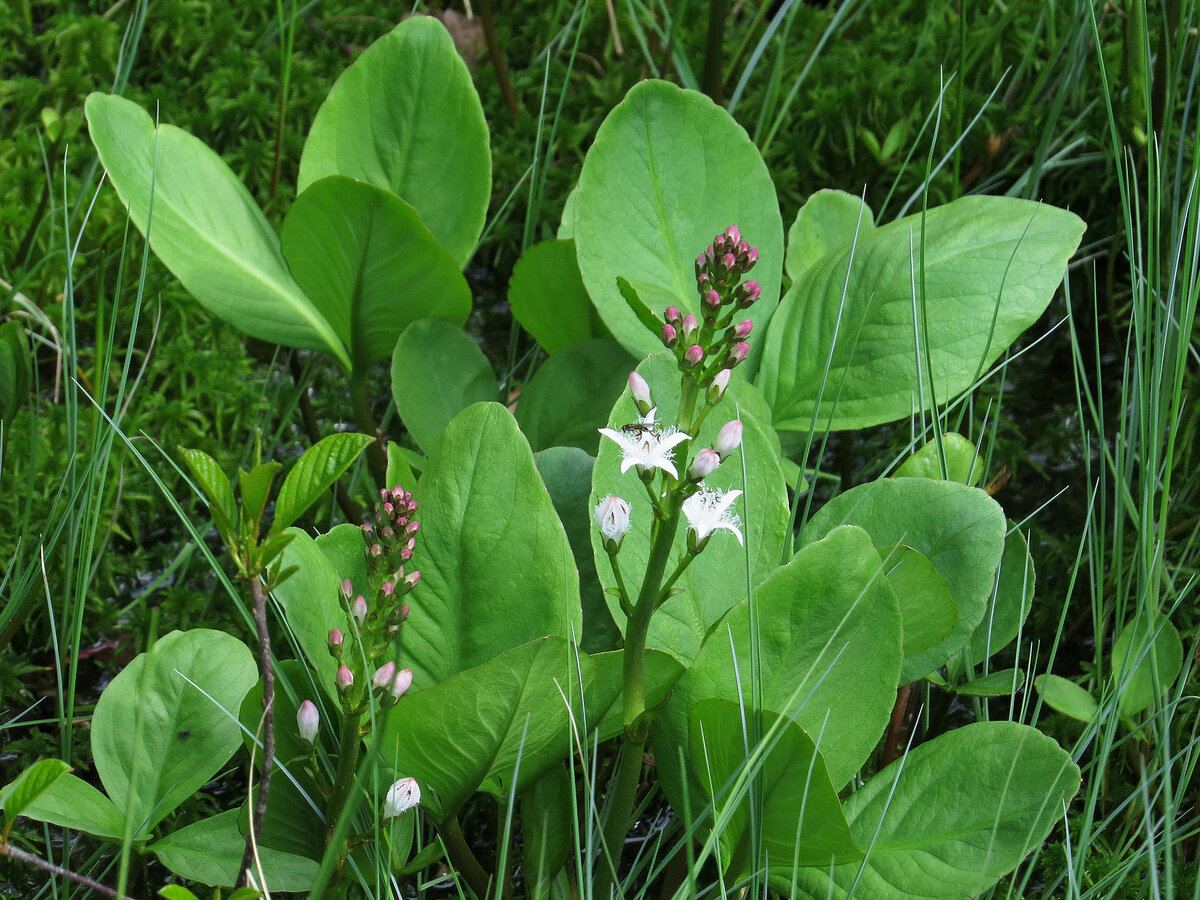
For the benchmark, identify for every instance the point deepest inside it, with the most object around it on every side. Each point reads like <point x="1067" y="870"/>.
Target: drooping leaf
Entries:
<point x="496" y="567"/>
<point x="475" y="729"/>
<point x="548" y="298"/>
<point x="569" y="397"/>
<point x="927" y="612"/>
<point x="827" y="221"/>
<point x="156" y="737"/>
<point x="314" y="473"/>
<point x="405" y="117"/>
<point x="987" y="270"/>
<point x="210" y="852"/>
<point x="206" y="228"/>
<point x="952" y="817"/>
<point x="1011" y="601"/>
<point x="716" y="580"/>
<point x="670" y="170"/>
<point x="369" y="265"/>
<point x="959" y="529"/>
<point x="798" y="815"/>
<point x="827" y="653"/>
<point x="437" y="372"/>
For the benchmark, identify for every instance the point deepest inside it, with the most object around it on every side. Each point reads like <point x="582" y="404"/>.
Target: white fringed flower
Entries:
<point x="708" y="509"/>
<point x="645" y="446"/>
<point x="401" y="797"/>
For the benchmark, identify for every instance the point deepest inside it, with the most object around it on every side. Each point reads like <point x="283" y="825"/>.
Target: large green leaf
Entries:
<point x="26" y="787"/>
<point x="670" y="170"/>
<point x="826" y="653"/>
<point x="959" y="529"/>
<point x="569" y="397"/>
<point x="952" y="817"/>
<point x="988" y="269"/>
<point x="156" y="737"/>
<point x="496" y="568"/>
<point x="369" y="265"/>
<point x="210" y="852"/>
<point x="547" y="297"/>
<point x="797" y="816"/>
<point x="437" y="372"/>
<point x="716" y="580"/>
<point x="405" y="117"/>
<point x="473" y="730"/>
<point x="206" y="228"/>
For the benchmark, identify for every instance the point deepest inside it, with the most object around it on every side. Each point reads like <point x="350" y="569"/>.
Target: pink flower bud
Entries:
<point x="749" y="292"/>
<point x="367" y="528"/>
<point x="717" y="389"/>
<point x="640" y="390"/>
<point x="376" y="550"/>
<point x="693" y="355"/>
<point x="384" y="676"/>
<point x="669" y="335"/>
<point x="406" y="609"/>
<point x="360" y="609"/>
<point x="401" y="683"/>
<point x="728" y="261"/>
<point x="411" y="580"/>
<point x="737" y="353"/>
<point x="335" y="641"/>
<point x="672" y="316"/>
<point x="751" y="259"/>
<point x="742" y="330"/>
<point x="387" y="588"/>
<point x="701" y="260"/>
<point x="729" y="438"/>
<point x="733" y="234"/>
<point x="689" y="327"/>
<point x="703" y="465"/>
<point x="347" y="588"/>
<point x="345" y="679"/>
<point x="412" y="528"/>
<point x="712" y="299"/>
<point x="308" y="721"/>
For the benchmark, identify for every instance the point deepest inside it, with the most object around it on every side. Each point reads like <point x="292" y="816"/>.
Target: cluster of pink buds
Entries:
<point x="715" y="343"/>
<point x="373" y="624"/>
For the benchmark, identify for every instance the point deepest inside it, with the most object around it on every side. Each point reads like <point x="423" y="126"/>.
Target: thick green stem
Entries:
<point x="365" y="419"/>
<point x="464" y="860"/>
<point x="349" y="748"/>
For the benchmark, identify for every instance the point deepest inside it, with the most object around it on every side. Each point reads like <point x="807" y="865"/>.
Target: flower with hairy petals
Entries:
<point x="645" y="446"/>
<point x="612" y="515"/>
<point x="708" y="510"/>
<point x="401" y="796"/>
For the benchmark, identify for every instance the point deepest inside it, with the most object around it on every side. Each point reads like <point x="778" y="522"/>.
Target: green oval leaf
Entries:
<point x="548" y="298"/>
<point x="827" y="221"/>
<point x="959" y="529"/>
<point x="799" y="820"/>
<point x="472" y="731"/>
<point x="496" y="568"/>
<point x="70" y="802"/>
<point x="314" y="473"/>
<point x="405" y="117"/>
<point x="369" y="265"/>
<point x="928" y="613"/>
<point x="26" y="787"/>
<point x="962" y="461"/>
<point x="568" y="399"/>
<point x="437" y="372"/>
<point x="218" y="489"/>
<point x="1146" y="659"/>
<point x="951" y="817"/>
<point x="206" y="228"/>
<point x="1067" y="697"/>
<point x="827" y="653"/>
<point x="156" y="737"/>
<point x="670" y="170"/>
<point x="991" y="265"/>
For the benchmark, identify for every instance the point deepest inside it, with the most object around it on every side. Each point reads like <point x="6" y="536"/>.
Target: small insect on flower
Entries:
<point x="638" y="428"/>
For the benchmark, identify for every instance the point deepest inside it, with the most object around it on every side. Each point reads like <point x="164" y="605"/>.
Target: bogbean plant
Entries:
<point x="563" y="605"/>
